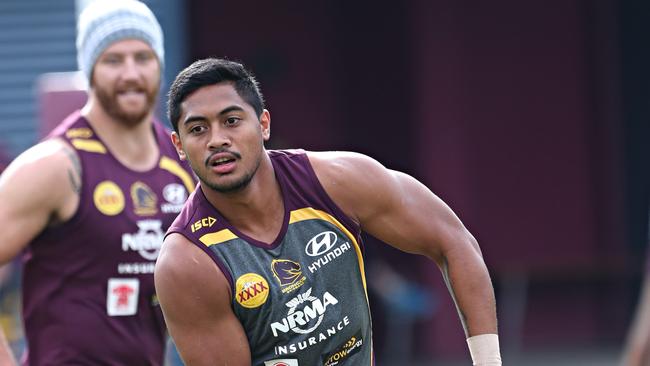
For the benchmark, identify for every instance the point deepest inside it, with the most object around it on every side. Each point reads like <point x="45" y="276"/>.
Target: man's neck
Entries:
<point x="258" y="209"/>
<point x="134" y="146"/>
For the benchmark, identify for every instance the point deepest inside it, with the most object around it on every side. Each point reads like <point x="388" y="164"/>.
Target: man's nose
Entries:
<point x="219" y="138"/>
<point x="131" y="70"/>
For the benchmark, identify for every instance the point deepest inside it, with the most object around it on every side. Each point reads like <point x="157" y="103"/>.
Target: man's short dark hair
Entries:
<point x="212" y="71"/>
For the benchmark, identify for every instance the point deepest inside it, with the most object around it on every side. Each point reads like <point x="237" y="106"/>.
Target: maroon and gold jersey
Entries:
<point x="301" y="299"/>
<point x="88" y="290"/>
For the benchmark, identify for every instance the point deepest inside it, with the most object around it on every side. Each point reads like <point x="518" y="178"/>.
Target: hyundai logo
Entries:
<point x="321" y="243"/>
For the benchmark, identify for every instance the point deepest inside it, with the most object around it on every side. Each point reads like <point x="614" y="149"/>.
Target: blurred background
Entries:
<point x="531" y="119"/>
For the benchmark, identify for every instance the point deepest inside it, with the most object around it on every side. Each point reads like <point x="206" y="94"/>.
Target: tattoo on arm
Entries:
<point x="74" y="173"/>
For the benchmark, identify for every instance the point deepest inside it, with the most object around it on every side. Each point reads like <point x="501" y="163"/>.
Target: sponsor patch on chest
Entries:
<point x="251" y="290"/>
<point x="147" y="241"/>
<point x="326" y="248"/>
<point x="122" y="296"/>
<point x="347" y="349"/>
<point x="282" y="362"/>
<point x="175" y="196"/>
<point x="108" y="198"/>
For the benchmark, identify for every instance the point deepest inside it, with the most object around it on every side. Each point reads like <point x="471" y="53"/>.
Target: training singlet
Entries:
<point x="88" y="290"/>
<point x="302" y="299"/>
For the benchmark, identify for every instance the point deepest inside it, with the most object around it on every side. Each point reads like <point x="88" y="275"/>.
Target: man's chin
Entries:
<point x="130" y="119"/>
<point x="230" y="187"/>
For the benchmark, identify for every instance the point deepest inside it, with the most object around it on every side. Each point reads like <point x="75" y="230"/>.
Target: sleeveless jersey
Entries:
<point x="88" y="290"/>
<point x="302" y="299"/>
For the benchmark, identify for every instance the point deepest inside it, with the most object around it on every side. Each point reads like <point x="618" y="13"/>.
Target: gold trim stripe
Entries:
<point x="217" y="237"/>
<point x="309" y="213"/>
<point x="88" y="145"/>
<point x="173" y="167"/>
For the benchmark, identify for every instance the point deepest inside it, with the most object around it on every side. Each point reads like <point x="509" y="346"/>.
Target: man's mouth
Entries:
<point x="130" y="91"/>
<point x="221" y="161"/>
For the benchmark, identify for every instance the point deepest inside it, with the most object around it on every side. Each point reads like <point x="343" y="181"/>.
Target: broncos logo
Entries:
<point x="144" y="199"/>
<point x="286" y="271"/>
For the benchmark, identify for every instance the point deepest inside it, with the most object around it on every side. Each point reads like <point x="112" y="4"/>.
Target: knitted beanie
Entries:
<point x="104" y="22"/>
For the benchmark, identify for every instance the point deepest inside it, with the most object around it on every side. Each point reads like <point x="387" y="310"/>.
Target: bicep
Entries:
<point x="392" y="206"/>
<point x="412" y="218"/>
<point x="195" y="299"/>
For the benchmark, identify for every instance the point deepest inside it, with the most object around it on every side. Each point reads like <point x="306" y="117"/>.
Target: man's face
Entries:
<point x="126" y="79"/>
<point x="221" y="137"/>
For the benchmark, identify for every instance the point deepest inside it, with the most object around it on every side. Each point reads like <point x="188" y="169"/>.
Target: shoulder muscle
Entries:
<point x="356" y="182"/>
<point x="34" y="190"/>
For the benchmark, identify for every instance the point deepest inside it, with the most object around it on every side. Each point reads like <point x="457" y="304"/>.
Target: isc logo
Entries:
<point x="204" y="222"/>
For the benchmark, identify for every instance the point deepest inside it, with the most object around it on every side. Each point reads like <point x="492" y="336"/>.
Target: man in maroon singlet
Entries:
<point x="264" y="266"/>
<point x="89" y="205"/>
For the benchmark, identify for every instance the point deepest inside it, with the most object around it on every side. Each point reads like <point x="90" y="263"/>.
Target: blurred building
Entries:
<point x="37" y="37"/>
<point x="529" y="118"/>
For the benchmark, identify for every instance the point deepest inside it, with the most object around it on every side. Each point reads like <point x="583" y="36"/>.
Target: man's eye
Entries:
<point x="111" y="60"/>
<point x="232" y="120"/>
<point x="143" y="57"/>
<point x="197" y="129"/>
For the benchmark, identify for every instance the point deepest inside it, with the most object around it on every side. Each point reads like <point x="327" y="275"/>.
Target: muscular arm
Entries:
<point x="40" y="187"/>
<point x="195" y="299"/>
<point x="402" y="212"/>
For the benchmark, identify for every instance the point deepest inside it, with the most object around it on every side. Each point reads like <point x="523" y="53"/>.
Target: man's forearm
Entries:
<point x="470" y="286"/>
<point x="471" y="289"/>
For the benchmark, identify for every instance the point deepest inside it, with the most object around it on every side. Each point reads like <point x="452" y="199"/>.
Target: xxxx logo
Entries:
<point x="252" y="290"/>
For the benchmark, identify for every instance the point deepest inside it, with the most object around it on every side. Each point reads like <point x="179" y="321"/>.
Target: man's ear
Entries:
<point x="265" y="124"/>
<point x="176" y="140"/>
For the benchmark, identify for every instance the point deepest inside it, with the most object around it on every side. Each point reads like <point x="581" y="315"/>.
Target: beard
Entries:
<point x="109" y="101"/>
<point x="233" y="186"/>
<point x="230" y="187"/>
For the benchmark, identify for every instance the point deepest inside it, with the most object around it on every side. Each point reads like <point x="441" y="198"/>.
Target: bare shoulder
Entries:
<point x="351" y="179"/>
<point x="189" y="285"/>
<point x="176" y="254"/>
<point x="181" y="265"/>
<point x="45" y="161"/>
<point x="39" y="188"/>
<point x="337" y="160"/>
<point x="52" y="164"/>
<point x="338" y="167"/>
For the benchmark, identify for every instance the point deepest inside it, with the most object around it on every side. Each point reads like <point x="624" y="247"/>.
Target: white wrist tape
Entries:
<point x="484" y="349"/>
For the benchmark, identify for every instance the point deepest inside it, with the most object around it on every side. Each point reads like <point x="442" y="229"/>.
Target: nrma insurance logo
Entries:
<point x="147" y="241"/>
<point x="306" y="313"/>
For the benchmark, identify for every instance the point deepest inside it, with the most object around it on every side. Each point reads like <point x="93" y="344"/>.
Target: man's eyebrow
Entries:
<point x="226" y="110"/>
<point x="111" y="54"/>
<point x="230" y="109"/>
<point x="189" y="119"/>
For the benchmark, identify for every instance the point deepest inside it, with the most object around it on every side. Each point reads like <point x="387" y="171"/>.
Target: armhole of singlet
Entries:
<point x="350" y="224"/>
<point x="82" y="207"/>
<point x="222" y="267"/>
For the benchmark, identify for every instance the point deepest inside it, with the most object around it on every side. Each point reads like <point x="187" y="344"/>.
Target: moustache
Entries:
<point x="221" y="151"/>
